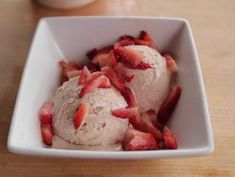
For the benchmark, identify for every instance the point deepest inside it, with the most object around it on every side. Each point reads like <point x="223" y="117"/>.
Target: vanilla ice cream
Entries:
<point x="151" y="85"/>
<point x="100" y="131"/>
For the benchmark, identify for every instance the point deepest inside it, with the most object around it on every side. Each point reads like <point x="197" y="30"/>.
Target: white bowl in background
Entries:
<point x="64" y="4"/>
<point x="71" y="37"/>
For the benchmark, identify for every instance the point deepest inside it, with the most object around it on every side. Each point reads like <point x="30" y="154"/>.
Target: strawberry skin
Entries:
<point x="100" y="82"/>
<point x="72" y="74"/>
<point x="131" y="58"/>
<point x="95" y="74"/>
<point x="67" y="68"/>
<point x="108" y="60"/>
<point x="129" y="96"/>
<point x="124" y="42"/>
<point x="169" y="105"/>
<point x="146" y="37"/>
<point x="135" y="140"/>
<point x="112" y="60"/>
<point x="45" y="112"/>
<point x="169" y="139"/>
<point x="149" y="124"/>
<point x="47" y="134"/>
<point x="121" y="70"/>
<point x="80" y="115"/>
<point x="128" y="113"/>
<point x="129" y="37"/>
<point x="114" y="78"/>
<point x="142" y="42"/>
<point x="85" y="75"/>
<point x="94" y="55"/>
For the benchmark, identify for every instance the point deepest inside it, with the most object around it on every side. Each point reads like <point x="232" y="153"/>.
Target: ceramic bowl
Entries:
<point x="71" y="37"/>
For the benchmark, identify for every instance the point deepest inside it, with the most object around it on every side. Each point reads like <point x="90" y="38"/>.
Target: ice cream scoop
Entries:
<point x="150" y="85"/>
<point x="100" y="129"/>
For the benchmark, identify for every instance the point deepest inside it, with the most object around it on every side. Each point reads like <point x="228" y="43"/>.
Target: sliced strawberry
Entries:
<point x="171" y="64"/>
<point x="80" y="115"/>
<point x="135" y="140"/>
<point x="169" y="139"/>
<point x="103" y="60"/>
<point x="73" y="73"/>
<point x="100" y="58"/>
<point x="124" y="42"/>
<point x="45" y="112"/>
<point x="96" y="55"/>
<point x="123" y="73"/>
<point x="142" y="42"/>
<point x="129" y="96"/>
<point x="124" y="37"/>
<point x="96" y="74"/>
<point x="47" y="134"/>
<point x="146" y="37"/>
<point x="114" y="78"/>
<point x="169" y="104"/>
<point x="100" y="82"/>
<point x="112" y="59"/>
<point x="131" y="58"/>
<point x="67" y="67"/>
<point x="148" y="124"/>
<point x="71" y="65"/>
<point x="128" y="113"/>
<point x="85" y="75"/>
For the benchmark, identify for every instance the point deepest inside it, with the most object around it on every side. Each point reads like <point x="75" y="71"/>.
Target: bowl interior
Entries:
<point x="71" y="38"/>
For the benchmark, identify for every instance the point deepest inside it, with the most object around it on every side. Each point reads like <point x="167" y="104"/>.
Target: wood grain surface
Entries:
<point x="213" y="27"/>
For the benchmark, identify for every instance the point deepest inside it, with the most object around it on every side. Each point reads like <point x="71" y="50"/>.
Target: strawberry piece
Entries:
<point x="100" y="58"/>
<point x="129" y="96"/>
<point x="100" y="82"/>
<point x="73" y="73"/>
<point x="112" y="59"/>
<point x="103" y="60"/>
<point x="131" y="58"/>
<point x="148" y="124"/>
<point x="124" y="42"/>
<point x="108" y="60"/>
<point x="135" y="140"/>
<point x="67" y="67"/>
<point x="171" y="64"/>
<point x="96" y="55"/>
<point x="124" y="37"/>
<point x="45" y="112"/>
<point x="80" y="115"/>
<point x="169" y="139"/>
<point x="47" y="134"/>
<point x="114" y="78"/>
<point x="96" y="74"/>
<point x="128" y="113"/>
<point x="142" y="42"/>
<point x="169" y="104"/>
<point x="123" y="73"/>
<point x="84" y="76"/>
<point x="146" y="37"/>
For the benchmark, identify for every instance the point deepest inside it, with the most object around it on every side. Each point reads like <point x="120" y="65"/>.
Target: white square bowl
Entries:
<point x="71" y="37"/>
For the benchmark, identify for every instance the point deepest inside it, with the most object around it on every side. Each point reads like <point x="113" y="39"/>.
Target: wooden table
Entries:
<point x="213" y="26"/>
